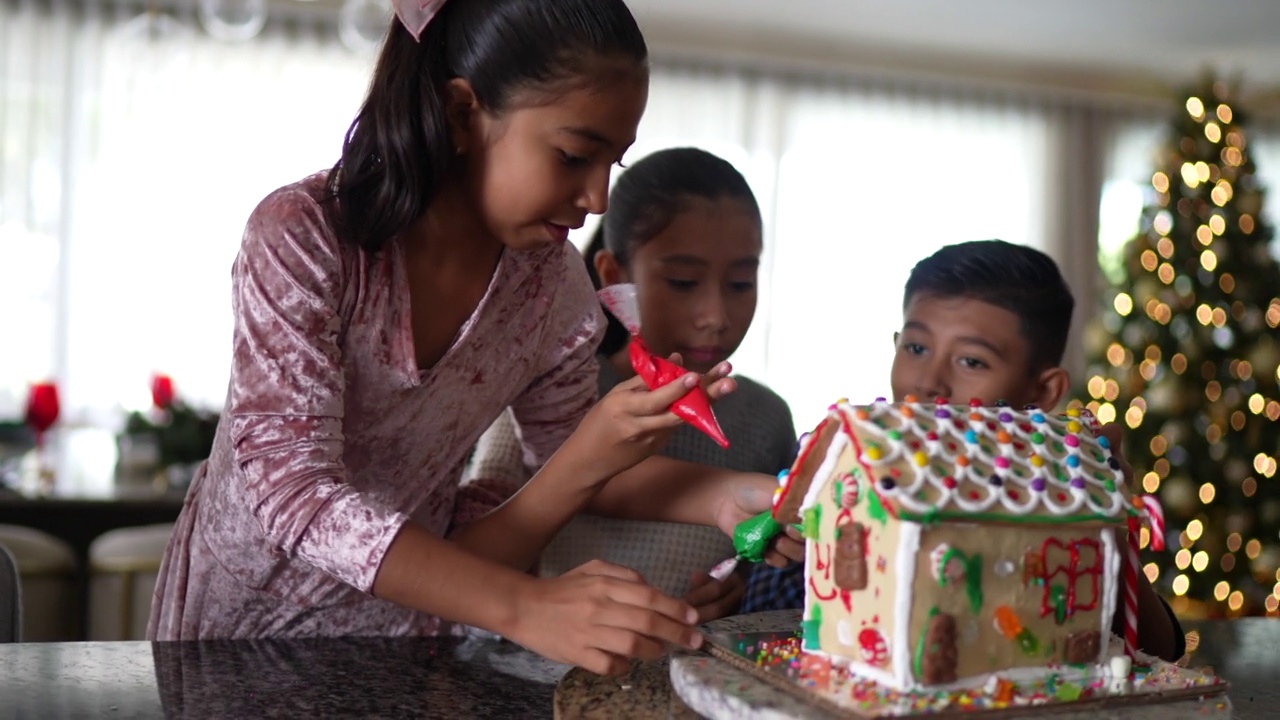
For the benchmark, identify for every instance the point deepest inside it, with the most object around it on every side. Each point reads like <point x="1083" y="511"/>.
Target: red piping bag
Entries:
<point x="695" y="407"/>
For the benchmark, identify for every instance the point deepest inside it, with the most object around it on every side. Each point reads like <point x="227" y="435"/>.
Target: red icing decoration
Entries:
<point x="1073" y="573"/>
<point x="872" y="647"/>
<point x="811" y="440"/>
<point x="694" y="408"/>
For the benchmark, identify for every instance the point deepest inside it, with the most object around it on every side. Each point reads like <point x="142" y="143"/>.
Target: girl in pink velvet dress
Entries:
<point x="388" y="310"/>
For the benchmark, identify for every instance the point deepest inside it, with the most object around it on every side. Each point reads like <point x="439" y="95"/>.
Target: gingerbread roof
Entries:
<point x="941" y="461"/>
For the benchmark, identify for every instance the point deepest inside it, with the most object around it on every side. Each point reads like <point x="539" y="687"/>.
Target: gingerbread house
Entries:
<point x="949" y="543"/>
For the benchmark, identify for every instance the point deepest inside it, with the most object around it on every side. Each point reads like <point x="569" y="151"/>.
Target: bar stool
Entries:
<point x="123" y="566"/>
<point x="47" y="574"/>
<point x="10" y="598"/>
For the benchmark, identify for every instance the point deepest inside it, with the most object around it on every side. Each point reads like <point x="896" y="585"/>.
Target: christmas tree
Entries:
<point x="1184" y="355"/>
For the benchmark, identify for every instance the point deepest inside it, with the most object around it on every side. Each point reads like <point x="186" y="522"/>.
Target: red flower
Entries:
<point x="161" y="390"/>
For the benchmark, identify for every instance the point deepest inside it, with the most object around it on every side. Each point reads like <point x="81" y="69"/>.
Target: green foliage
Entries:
<point x="184" y="434"/>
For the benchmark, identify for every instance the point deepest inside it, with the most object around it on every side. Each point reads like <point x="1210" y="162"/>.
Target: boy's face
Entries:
<point x="961" y="348"/>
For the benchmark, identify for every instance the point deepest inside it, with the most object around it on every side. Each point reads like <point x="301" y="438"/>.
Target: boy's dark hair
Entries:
<point x="648" y="197"/>
<point x="1020" y="279"/>
<point x="398" y="150"/>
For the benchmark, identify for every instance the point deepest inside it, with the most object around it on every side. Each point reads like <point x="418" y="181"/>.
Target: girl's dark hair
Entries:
<point x="647" y="198"/>
<point x="398" y="150"/>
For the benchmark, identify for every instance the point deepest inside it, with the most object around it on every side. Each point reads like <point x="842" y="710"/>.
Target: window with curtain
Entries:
<point x="135" y="147"/>
<point x="133" y="152"/>
<point x="1132" y="159"/>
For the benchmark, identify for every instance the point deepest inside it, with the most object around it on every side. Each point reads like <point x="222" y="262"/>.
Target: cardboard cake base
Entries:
<point x="762" y="676"/>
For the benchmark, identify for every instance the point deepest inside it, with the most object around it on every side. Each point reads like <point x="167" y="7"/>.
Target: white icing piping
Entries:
<point x="908" y="546"/>
<point x="1112" y="560"/>
<point x="1050" y="426"/>
<point x="825" y="471"/>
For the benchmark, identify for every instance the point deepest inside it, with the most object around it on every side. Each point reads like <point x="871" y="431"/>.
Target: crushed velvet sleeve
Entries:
<point x="286" y="398"/>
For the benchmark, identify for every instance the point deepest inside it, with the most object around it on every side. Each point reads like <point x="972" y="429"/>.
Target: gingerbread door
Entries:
<point x="850" y="560"/>
<point x="938" y="665"/>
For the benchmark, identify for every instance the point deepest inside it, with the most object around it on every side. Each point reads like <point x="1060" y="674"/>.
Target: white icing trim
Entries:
<point x="810" y="547"/>
<point x="908" y="546"/>
<point x="825" y="471"/>
<point x="974" y="477"/>
<point x="844" y="633"/>
<point x="1109" y="577"/>
<point x="861" y="669"/>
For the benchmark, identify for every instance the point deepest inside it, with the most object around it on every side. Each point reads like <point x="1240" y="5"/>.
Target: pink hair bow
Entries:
<point x="415" y="14"/>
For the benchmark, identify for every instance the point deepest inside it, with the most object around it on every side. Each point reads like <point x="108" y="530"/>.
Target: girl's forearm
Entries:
<point x="666" y="490"/>
<point x="428" y="573"/>
<point x="517" y="532"/>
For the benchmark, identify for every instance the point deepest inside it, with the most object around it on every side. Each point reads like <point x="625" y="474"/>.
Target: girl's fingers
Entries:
<point x="721" y="387"/>
<point x="645" y="633"/>
<point x="603" y="663"/>
<point x="660" y="399"/>
<point x="627" y="643"/>
<point x="605" y="569"/>
<point x="705" y="591"/>
<point x="647" y="598"/>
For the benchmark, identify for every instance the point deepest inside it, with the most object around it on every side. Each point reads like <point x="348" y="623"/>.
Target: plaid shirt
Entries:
<point x="769" y="588"/>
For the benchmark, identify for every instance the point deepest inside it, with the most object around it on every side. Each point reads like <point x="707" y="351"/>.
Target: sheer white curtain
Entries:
<point x="856" y="184"/>
<point x="135" y="148"/>
<point x="131" y="161"/>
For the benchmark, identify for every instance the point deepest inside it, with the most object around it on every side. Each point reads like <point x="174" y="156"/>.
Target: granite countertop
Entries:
<point x="474" y="677"/>
<point x="1245" y="652"/>
<point x="323" y="678"/>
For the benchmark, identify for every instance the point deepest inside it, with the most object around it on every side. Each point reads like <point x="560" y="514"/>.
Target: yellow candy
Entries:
<point x="922" y="459"/>
<point x="873" y="453"/>
<point x="1073" y="427"/>
<point x="1037" y="461"/>
<point x="1073" y="412"/>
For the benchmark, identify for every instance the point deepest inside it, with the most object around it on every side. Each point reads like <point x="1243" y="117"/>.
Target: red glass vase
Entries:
<point x="42" y="408"/>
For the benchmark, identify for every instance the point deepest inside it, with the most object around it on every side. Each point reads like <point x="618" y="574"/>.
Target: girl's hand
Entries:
<point x="714" y="599"/>
<point x="628" y="425"/>
<point x="717" y="382"/>
<point x="748" y="495"/>
<point x="598" y="616"/>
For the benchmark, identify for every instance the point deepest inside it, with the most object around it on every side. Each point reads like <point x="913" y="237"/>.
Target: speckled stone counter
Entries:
<point x="448" y="678"/>
<point x="323" y="678"/>
<point x="645" y="692"/>
<point x="1245" y="652"/>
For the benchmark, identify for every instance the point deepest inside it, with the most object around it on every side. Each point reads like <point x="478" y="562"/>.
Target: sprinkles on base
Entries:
<point x="783" y="654"/>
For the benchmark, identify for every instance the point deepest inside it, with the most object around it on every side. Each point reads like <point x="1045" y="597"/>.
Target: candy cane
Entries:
<point x="1154" y="515"/>
<point x="1131" y="589"/>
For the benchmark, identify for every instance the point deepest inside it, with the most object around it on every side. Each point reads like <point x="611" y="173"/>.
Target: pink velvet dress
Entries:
<point x="332" y="438"/>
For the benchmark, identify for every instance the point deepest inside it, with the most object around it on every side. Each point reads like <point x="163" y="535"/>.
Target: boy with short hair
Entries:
<point x="985" y="319"/>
